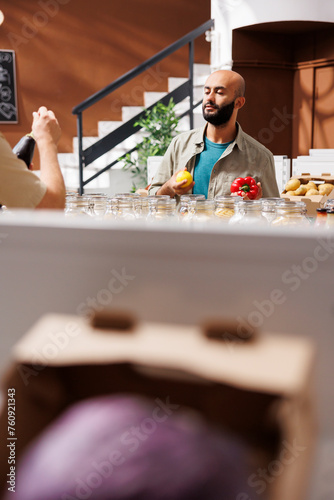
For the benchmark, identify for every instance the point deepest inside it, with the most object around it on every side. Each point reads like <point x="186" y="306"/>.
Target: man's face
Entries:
<point x="219" y="99"/>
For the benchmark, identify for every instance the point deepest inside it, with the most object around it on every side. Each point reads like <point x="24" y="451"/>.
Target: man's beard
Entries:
<point x="221" y="116"/>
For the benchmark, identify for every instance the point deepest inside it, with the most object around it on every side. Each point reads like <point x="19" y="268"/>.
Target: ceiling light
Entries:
<point x="2" y="17"/>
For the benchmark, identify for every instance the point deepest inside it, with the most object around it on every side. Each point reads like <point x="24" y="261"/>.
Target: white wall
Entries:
<point x="231" y="14"/>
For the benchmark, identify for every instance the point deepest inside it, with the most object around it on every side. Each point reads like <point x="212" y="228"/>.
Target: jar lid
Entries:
<point x="222" y="197"/>
<point x="274" y="199"/>
<point x="192" y="197"/>
<point x="202" y="203"/>
<point x="126" y="195"/>
<point x="158" y="196"/>
<point x="253" y="204"/>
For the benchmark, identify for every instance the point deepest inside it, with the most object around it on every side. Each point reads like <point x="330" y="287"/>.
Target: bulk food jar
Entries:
<point x="224" y="206"/>
<point x="330" y="218"/>
<point x="161" y="208"/>
<point x="121" y="206"/>
<point x="269" y="207"/>
<point x="291" y="213"/>
<point x="321" y="217"/>
<point x="97" y="204"/>
<point x="185" y="199"/>
<point x="77" y="206"/>
<point x="144" y="204"/>
<point x="111" y="210"/>
<point x="201" y="210"/>
<point x="248" y="212"/>
<point x="125" y="207"/>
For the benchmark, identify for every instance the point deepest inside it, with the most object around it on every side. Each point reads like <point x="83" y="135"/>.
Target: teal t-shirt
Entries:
<point x="204" y="164"/>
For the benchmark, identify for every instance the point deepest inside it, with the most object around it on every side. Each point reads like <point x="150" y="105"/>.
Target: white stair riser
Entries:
<point x="111" y="182"/>
<point x="69" y="161"/>
<point x="152" y="97"/>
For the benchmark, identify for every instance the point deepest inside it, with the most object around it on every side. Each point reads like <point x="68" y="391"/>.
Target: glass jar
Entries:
<point x="224" y="207"/>
<point x="125" y="207"/>
<point x="329" y="203"/>
<point x="201" y="210"/>
<point x="330" y="218"/>
<point x="238" y="211"/>
<point x="185" y="199"/>
<point x="143" y="206"/>
<point x="71" y="192"/>
<point x="291" y="213"/>
<point x="4" y="210"/>
<point x="98" y="204"/>
<point x="248" y="212"/>
<point x="124" y="195"/>
<point x="111" y="209"/>
<point x="161" y="208"/>
<point x="136" y="199"/>
<point x="69" y="197"/>
<point x="77" y="206"/>
<point x="90" y="202"/>
<point x="269" y="206"/>
<point x="321" y="217"/>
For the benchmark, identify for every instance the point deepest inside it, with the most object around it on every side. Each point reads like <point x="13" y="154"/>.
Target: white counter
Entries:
<point x="274" y="278"/>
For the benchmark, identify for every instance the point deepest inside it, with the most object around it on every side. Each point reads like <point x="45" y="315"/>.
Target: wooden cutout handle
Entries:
<point x="113" y="320"/>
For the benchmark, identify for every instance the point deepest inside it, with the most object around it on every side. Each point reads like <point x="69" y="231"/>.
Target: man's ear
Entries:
<point x="239" y="102"/>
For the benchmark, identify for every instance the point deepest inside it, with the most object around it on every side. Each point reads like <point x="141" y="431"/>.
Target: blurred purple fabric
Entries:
<point x="128" y="447"/>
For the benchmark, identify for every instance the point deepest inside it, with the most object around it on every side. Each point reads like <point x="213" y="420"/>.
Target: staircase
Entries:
<point x="117" y="180"/>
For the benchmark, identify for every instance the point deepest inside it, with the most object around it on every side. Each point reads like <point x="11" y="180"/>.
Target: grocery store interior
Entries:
<point x="161" y="346"/>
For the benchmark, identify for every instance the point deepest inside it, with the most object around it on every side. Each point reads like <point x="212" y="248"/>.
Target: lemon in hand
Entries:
<point x="184" y="175"/>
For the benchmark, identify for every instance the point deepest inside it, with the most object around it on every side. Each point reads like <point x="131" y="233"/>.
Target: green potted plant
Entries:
<point x="159" y="126"/>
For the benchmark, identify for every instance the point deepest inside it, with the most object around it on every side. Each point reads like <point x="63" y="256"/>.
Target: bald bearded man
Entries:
<point x="219" y="152"/>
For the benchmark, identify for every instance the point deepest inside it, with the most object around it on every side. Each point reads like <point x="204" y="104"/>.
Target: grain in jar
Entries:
<point x="224" y="207"/>
<point x="291" y="213"/>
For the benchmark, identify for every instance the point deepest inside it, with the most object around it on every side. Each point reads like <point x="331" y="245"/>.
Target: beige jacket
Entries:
<point x="245" y="156"/>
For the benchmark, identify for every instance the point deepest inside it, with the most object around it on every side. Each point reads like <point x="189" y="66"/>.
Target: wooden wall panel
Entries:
<point x="265" y="60"/>
<point x="267" y="115"/>
<point x="281" y="63"/>
<point x="303" y="111"/>
<point x="257" y="45"/>
<point x="323" y="131"/>
<point x="67" y="50"/>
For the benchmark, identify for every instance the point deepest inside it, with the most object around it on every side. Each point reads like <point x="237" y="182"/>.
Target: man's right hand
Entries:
<point x="45" y="126"/>
<point x="47" y="133"/>
<point x="172" y="187"/>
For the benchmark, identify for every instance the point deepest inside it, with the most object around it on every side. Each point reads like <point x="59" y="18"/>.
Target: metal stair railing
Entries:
<point x="118" y="135"/>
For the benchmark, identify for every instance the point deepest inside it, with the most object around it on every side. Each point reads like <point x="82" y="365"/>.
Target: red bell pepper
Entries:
<point x="245" y="185"/>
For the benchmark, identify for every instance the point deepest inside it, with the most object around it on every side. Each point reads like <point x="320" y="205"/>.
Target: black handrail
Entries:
<point x="143" y="67"/>
<point x="117" y="136"/>
<point x="128" y="128"/>
<point x="120" y="158"/>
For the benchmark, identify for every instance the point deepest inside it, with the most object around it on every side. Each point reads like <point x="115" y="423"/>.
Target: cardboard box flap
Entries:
<point x="271" y="363"/>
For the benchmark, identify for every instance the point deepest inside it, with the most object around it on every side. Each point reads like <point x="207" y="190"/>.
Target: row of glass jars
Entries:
<point x="231" y="209"/>
<point x="236" y="211"/>
<point x="121" y="206"/>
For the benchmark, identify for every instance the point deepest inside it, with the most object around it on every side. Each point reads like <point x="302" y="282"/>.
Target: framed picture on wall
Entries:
<point x="8" y="99"/>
